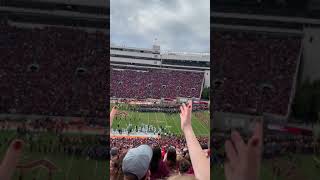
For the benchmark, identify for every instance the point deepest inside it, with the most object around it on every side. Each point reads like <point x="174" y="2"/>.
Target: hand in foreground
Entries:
<point x="199" y="160"/>
<point x="185" y="115"/>
<point x="244" y="160"/>
<point x="113" y="114"/>
<point x="11" y="159"/>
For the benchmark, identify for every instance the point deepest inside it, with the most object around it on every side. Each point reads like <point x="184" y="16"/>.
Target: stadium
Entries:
<point x="152" y="76"/>
<point x="264" y="57"/>
<point x="52" y="92"/>
<point x="147" y="87"/>
<point x="150" y="85"/>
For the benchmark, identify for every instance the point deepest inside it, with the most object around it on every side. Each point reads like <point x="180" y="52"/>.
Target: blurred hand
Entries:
<point x="11" y="159"/>
<point x="244" y="160"/>
<point x="185" y="115"/>
<point x="113" y="114"/>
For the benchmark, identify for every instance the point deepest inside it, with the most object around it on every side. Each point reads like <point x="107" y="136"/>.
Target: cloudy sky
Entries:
<point x="178" y="25"/>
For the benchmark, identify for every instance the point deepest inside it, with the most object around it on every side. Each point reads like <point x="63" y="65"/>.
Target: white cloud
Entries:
<point x="179" y="25"/>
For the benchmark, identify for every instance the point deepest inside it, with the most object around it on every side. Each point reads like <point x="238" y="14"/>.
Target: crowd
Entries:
<point x="155" y="83"/>
<point x="275" y="145"/>
<point x="53" y="71"/>
<point x="167" y="157"/>
<point x="92" y="146"/>
<point x="165" y="142"/>
<point x="253" y="72"/>
<point x="184" y="157"/>
<point x="172" y="107"/>
<point x="168" y="109"/>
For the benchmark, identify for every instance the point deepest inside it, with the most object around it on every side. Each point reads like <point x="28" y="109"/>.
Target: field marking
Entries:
<point x="157" y="121"/>
<point x="170" y="121"/>
<point x="196" y="124"/>
<point x="177" y="127"/>
<point x="165" y="119"/>
<point x="95" y="169"/>
<point x="204" y="127"/>
<point x="45" y="157"/>
<point x="71" y="161"/>
<point x="206" y="130"/>
<point x="69" y="166"/>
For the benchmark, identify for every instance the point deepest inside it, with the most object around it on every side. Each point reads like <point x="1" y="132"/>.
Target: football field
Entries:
<point x="200" y="121"/>
<point x="305" y="167"/>
<point x="69" y="166"/>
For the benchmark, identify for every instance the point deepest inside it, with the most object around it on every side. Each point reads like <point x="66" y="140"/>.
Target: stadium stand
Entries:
<point x="155" y="83"/>
<point x="251" y="68"/>
<point x="50" y="75"/>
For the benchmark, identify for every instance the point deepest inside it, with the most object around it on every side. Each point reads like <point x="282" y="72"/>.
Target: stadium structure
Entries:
<point x="261" y="52"/>
<point x="35" y="29"/>
<point x="149" y="84"/>
<point x="142" y="73"/>
<point x="51" y="50"/>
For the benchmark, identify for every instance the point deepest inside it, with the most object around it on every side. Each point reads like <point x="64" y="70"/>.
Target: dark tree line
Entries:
<point x="306" y="104"/>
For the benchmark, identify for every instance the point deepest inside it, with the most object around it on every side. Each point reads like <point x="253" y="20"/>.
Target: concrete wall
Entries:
<point x="311" y="54"/>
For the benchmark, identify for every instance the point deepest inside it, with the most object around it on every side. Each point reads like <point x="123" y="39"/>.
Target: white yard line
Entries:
<point x="45" y="157"/>
<point x="206" y="129"/>
<point x="95" y="169"/>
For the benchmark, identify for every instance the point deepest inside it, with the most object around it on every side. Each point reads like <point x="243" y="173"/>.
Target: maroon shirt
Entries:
<point x="162" y="171"/>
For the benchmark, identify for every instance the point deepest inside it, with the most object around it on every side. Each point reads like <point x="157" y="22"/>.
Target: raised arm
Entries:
<point x="113" y="114"/>
<point x="244" y="159"/>
<point x="200" y="164"/>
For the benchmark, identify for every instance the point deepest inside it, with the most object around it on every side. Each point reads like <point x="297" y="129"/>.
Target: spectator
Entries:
<point x="158" y="168"/>
<point x="171" y="160"/>
<point x="200" y="163"/>
<point x="136" y="163"/>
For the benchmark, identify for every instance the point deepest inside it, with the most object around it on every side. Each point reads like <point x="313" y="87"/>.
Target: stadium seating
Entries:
<point x="54" y="71"/>
<point x="155" y="83"/>
<point x="172" y="163"/>
<point x="253" y="72"/>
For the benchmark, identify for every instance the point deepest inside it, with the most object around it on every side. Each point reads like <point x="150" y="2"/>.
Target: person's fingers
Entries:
<point x="255" y="149"/>
<point x="231" y="153"/>
<point x="11" y="159"/>
<point x="184" y="107"/>
<point x="256" y="139"/>
<point x="190" y="104"/>
<point x="258" y="130"/>
<point x="181" y="110"/>
<point x="255" y="142"/>
<point x="238" y="142"/>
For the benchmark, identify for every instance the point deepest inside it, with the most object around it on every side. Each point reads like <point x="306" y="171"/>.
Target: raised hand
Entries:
<point x="11" y="159"/>
<point x="113" y="114"/>
<point x="244" y="160"/>
<point x="185" y="115"/>
<point x="199" y="160"/>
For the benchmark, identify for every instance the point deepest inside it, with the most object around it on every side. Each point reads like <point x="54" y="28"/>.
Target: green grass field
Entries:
<point x="200" y="126"/>
<point x="70" y="167"/>
<point x="305" y="169"/>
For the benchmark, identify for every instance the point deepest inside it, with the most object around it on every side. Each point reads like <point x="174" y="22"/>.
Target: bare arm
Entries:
<point x="200" y="163"/>
<point x="113" y="114"/>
